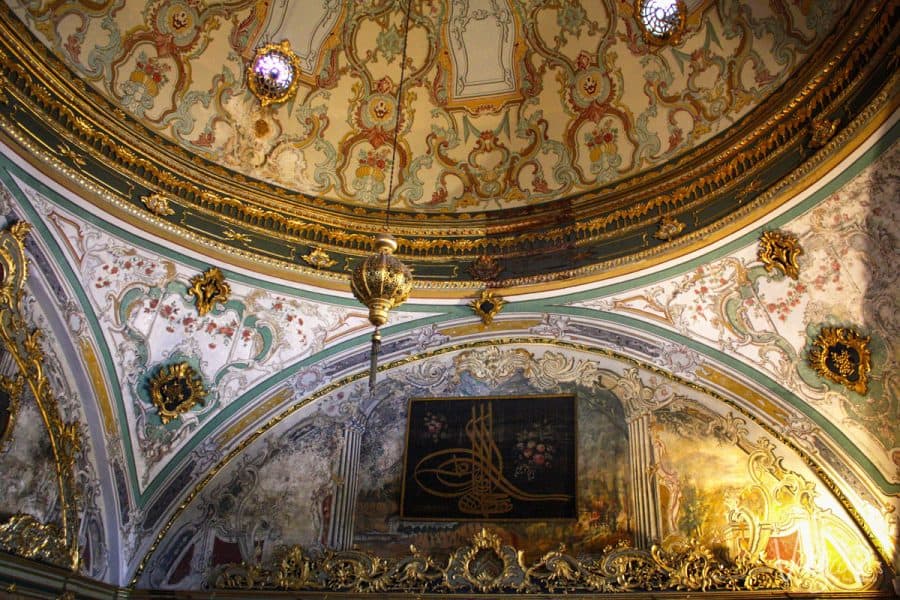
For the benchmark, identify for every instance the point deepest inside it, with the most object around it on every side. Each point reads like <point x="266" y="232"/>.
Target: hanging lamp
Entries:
<point x="381" y="281"/>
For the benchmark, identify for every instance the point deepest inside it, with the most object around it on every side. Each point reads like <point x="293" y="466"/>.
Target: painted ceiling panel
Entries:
<point x="568" y="97"/>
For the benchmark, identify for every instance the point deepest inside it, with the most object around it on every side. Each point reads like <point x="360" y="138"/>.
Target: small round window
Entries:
<point x="273" y="73"/>
<point x="662" y="20"/>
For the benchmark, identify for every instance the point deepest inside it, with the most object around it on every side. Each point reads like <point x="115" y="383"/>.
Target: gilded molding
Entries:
<point x="487" y="306"/>
<point x="487" y="565"/>
<point x="23" y="535"/>
<point x="779" y="250"/>
<point x="668" y="228"/>
<point x="209" y="288"/>
<point x="821" y="131"/>
<point x="175" y="389"/>
<point x="842" y="355"/>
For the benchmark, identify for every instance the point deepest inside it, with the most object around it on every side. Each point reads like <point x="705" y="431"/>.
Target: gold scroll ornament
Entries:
<point x="24" y="535"/>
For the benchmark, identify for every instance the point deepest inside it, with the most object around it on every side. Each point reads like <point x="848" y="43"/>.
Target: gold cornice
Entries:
<point x="769" y="427"/>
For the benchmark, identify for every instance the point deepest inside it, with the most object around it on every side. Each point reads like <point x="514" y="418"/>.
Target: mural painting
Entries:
<point x="27" y="471"/>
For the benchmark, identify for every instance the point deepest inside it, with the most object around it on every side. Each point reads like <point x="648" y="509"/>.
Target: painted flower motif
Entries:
<point x="435" y="426"/>
<point x="372" y="164"/>
<point x="144" y="83"/>
<point x="390" y="43"/>
<point x="783" y="307"/>
<point x="534" y="448"/>
<point x="370" y="174"/>
<point x="571" y="17"/>
<point x="380" y="111"/>
<point x="602" y="141"/>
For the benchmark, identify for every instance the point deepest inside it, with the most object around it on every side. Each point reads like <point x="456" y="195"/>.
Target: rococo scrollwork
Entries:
<point x="176" y="389"/>
<point x="842" y="355"/>
<point x="209" y="288"/>
<point x="23" y="534"/>
<point x="486" y="565"/>
<point x="779" y="250"/>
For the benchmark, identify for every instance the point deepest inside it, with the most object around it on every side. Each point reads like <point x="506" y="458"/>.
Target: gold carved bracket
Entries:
<point x="779" y="250"/>
<point x="487" y="306"/>
<point x="23" y="534"/>
<point x="176" y="389"/>
<point x="842" y="355"/>
<point x="208" y="288"/>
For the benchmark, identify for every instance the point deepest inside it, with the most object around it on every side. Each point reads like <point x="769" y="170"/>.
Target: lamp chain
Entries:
<point x="387" y="216"/>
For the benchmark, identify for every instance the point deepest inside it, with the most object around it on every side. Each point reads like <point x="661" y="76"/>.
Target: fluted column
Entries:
<point x="647" y="517"/>
<point x="343" y="509"/>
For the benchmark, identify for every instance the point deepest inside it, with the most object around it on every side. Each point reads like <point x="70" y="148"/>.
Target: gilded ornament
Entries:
<point x="669" y="227"/>
<point x="176" y="389"/>
<point x="487" y="306"/>
<point x="273" y="73"/>
<point x="821" y="131"/>
<point x="779" y="250"/>
<point x="25" y="536"/>
<point x="319" y="259"/>
<point x="485" y="268"/>
<point x="22" y="534"/>
<point x="208" y="289"/>
<point x="842" y="355"/>
<point x="486" y="565"/>
<point x="158" y="205"/>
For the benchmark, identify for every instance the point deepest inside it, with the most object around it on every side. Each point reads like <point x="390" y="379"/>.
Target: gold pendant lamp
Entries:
<point x="381" y="281"/>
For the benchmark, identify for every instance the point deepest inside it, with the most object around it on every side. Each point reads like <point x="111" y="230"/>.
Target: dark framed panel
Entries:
<point x="490" y="459"/>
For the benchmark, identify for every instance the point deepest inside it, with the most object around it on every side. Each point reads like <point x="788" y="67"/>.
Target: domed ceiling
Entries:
<point x="537" y="140"/>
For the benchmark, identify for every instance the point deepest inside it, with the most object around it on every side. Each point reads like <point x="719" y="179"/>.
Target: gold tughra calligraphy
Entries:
<point x="475" y="475"/>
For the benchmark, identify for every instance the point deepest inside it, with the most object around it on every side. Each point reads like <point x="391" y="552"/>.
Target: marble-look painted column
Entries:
<point x="343" y="508"/>
<point x="647" y="517"/>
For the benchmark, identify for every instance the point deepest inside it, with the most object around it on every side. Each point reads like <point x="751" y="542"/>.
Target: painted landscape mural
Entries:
<point x="658" y="461"/>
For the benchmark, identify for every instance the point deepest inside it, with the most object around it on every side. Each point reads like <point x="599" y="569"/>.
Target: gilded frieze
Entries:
<point x="487" y="565"/>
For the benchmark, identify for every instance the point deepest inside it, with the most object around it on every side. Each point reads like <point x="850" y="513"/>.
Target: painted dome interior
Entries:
<point x="655" y="300"/>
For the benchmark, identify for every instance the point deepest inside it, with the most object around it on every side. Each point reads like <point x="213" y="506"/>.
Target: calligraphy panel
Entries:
<point x="490" y="458"/>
